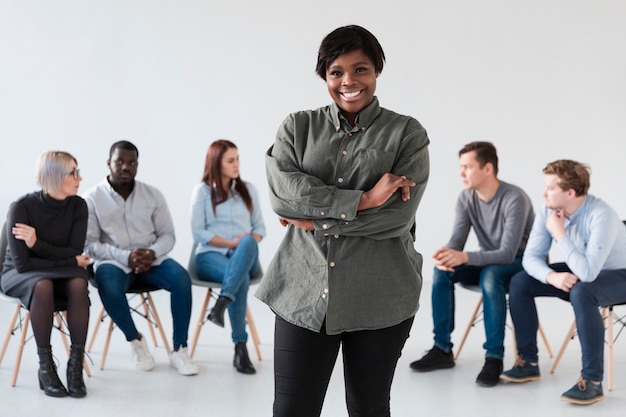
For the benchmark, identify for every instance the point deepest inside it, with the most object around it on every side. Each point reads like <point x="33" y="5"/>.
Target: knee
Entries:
<point x="181" y="280"/>
<point x="581" y="294"/>
<point x="108" y="286"/>
<point x="248" y="243"/>
<point x="441" y="279"/>
<point x="492" y="280"/>
<point x="518" y="284"/>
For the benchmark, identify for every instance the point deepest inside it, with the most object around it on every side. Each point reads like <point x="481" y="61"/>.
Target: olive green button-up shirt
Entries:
<point x="359" y="269"/>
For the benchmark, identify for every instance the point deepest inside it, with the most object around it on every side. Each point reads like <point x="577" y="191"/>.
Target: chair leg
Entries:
<point x="471" y="324"/>
<point x="255" y="334"/>
<point x="607" y="314"/>
<point x="200" y="323"/>
<point x="107" y="341"/>
<point x="16" y="314"/>
<point x="146" y="310"/>
<point x="568" y="337"/>
<point x="20" y="349"/>
<point x="157" y="320"/>
<point x="96" y="328"/>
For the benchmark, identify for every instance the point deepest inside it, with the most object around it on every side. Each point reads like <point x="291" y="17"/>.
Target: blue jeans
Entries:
<point x="234" y="272"/>
<point x="170" y="275"/>
<point x="494" y="281"/>
<point x="607" y="289"/>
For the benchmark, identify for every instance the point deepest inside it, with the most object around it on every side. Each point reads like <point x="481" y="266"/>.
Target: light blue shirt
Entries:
<point x="595" y="241"/>
<point x="231" y="217"/>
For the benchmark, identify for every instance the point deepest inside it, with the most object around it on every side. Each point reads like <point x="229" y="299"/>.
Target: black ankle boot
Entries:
<point x="75" y="383"/>
<point x="216" y="315"/>
<point x="242" y="360"/>
<point x="49" y="381"/>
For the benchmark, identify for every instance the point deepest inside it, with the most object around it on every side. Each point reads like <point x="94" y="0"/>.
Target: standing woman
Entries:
<point x="44" y="261"/>
<point x="227" y="226"/>
<point x="346" y="180"/>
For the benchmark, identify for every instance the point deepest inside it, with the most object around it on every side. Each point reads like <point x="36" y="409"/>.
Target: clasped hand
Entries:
<point x="564" y="281"/>
<point x="446" y="259"/>
<point x="140" y="260"/>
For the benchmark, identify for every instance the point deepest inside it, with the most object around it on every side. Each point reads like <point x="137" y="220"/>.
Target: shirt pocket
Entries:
<point x="370" y="165"/>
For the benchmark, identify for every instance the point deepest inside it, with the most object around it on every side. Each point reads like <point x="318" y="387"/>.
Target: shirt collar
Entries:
<point x="363" y="120"/>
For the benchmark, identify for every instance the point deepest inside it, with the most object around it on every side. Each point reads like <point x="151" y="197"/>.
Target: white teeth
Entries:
<point x="351" y="94"/>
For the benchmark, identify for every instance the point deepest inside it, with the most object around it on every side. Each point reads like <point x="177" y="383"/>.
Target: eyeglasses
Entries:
<point x="74" y="173"/>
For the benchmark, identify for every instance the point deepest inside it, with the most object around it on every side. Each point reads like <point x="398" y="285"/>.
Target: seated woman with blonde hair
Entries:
<point x="44" y="262"/>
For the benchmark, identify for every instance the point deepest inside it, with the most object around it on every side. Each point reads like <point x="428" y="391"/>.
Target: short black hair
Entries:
<point x="123" y="144"/>
<point x="347" y="39"/>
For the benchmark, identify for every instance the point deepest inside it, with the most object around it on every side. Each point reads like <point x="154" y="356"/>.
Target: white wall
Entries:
<point x="542" y="79"/>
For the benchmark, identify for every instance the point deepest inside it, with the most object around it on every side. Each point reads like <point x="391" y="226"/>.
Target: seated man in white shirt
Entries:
<point x="129" y="235"/>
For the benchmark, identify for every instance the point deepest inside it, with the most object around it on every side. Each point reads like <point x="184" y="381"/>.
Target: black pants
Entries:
<point x="304" y="361"/>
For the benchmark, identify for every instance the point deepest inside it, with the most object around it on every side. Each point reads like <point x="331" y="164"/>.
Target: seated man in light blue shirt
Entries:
<point x="129" y="234"/>
<point x="592" y="240"/>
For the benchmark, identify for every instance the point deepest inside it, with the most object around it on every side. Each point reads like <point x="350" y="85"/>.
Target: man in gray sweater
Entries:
<point x="501" y="215"/>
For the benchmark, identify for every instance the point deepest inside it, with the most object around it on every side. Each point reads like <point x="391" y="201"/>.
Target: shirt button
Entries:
<point x="336" y="236"/>
<point x="362" y="129"/>
<point x="324" y="226"/>
<point x="326" y="235"/>
<point x="344" y="152"/>
<point x="323" y="295"/>
<point x="325" y="290"/>
<point x="343" y="215"/>
<point x="339" y="180"/>
<point x="332" y="264"/>
<point x="349" y="134"/>
<point x="322" y="213"/>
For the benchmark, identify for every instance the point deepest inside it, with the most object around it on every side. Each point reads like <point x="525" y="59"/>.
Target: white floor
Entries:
<point x="122" y="390"/>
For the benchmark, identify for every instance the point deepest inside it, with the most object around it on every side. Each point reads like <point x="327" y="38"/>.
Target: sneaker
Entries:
<point x="434" y="359"/>
<point x="583" y="393"/>
<point x="141" y="354"/>
<point x="521" y="372"/>
<point x="180" y="360"/>
<point x="490" y="374"/>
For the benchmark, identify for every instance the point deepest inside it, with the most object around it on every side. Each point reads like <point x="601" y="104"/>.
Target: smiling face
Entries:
<point x="351" y="82"/>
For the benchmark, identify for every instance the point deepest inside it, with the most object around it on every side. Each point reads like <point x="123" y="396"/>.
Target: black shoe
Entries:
<point x="434" y="359"/>
<point x="49" y="381"/>
<point x="216" y="316"/>
<point x="75" y="382"/>
<point x="490" y="374"/>
<point x="242" y="360"/>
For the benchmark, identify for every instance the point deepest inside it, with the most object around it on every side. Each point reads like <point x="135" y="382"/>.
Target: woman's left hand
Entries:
<point x="26" y="233"/>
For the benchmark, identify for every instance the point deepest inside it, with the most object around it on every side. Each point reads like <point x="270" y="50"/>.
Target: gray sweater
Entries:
<point x="502" y="225"/>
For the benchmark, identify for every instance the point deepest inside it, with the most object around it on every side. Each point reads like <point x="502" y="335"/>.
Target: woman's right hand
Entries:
<point x="26" y="233"/>
<point x="384" y="189"/>
<point x="83" y="260"/>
